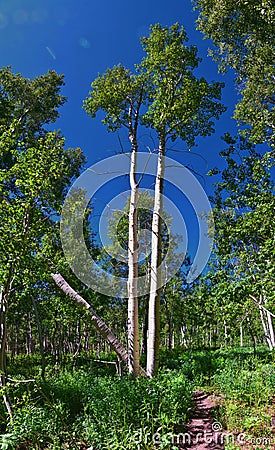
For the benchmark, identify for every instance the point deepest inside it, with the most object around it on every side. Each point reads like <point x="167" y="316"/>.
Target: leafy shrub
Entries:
<point x="251" y="387"/>
<point x="104" y="412"/>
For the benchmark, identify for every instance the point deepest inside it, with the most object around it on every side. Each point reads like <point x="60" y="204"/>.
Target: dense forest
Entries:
<point x="115" y="365"/>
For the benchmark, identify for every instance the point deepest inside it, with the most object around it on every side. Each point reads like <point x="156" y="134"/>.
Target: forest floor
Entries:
<point x="203" y="431"/>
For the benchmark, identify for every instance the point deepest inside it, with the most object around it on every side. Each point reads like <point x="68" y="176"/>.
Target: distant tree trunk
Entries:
<point x="133" y="326"/>
<point x="145" y="325"/>
<point x="183" y="330"/>
<point x="45" y="337"/>
<point x="267" y="325"/>
<point x="267" y="322"/>
<point x="86" y="338"/>
<point x="266" y="336"/>
<point x="210" y="337"/>
<point x="100" y="325"/>
<point x="41" y="345"/>
<point x="169" y="324"/>
<point x="4" y="295"/>
<point x="146" y="307"/>
<point x="29" y="337"/>
<point x="250" y="331"/>
<point x="155" y="280"/>
<point x="15" y="347"/>
<point x="270" y="329"/>
<point x="241" y="336"/>
<point x="225" y="333"/>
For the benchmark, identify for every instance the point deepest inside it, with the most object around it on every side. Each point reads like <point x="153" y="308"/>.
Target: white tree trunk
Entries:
<point x="133" y="327"/>
<point x="155" y="282"/>
<point x="183" y="329"/>
<point x="225" y="333"/>
<point x="270" y="327"/>
<point x="267" y="322"/>
<point x="264" y="325"/>
<point x="241" y="336"/>
<point x="4" y="296"/>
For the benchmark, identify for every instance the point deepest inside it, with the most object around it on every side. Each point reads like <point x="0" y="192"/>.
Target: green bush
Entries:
<point x="104" y="412"/>
<point x="252" y="387"/>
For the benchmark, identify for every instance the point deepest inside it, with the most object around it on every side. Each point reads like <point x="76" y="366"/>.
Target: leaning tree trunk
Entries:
<point x="103" y="329"/>
<point x="100" y="325"/>
<point x="133" y="327"/>
<point x="155" y="280"/>
<point x="266" y="320"/>
<point x="267" y="325"/>
<point x="270" y="326"/>
<point x="270" y="329"/>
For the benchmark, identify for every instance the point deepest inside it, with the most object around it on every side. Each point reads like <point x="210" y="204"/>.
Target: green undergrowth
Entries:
<point x="247" y="402"/>
<point x="244" y="385"/>
<point x="85" y="405"/>
<point x="76" y="409"/>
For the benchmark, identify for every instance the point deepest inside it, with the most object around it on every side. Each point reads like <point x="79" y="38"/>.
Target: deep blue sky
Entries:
<point x="81" y="38"/>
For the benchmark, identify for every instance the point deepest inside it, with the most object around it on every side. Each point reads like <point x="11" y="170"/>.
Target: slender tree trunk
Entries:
<point x="145" y="325"/>
<point x="4" y="295"/>
<point x="155" y="281"/>
<point x="267" y="322"/>
<point x="100" y="325"/>
<point x="241" y="336"/>
<point x="225" y="333"/>
<point x="41" y="345"/>
<point x="146" y="307"/>
<point x="29" y="337"/>
<point x="45" y="337"/>
<point x="253" y="338"/>
<point x="266" y="334"/>
<point x="210" y="337"/>
<point x="270" y="326"/>
<point x="133" y="326"/>
<point x="169" y="325"/>
<point x="183" y="330"/>
<point x="271" y="329"/>
<point x="267" y="325"/>
<point x="16" y="345"/>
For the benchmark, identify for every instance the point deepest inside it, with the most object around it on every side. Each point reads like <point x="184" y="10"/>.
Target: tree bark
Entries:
<point x="155" y="281"/>
<point x="133" y="325"/>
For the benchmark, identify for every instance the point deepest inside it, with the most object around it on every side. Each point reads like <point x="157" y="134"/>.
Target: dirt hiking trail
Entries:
<point x="203" y="431"/>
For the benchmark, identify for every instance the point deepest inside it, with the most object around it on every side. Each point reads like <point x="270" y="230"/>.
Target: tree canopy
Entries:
<point x="243" y="36"/>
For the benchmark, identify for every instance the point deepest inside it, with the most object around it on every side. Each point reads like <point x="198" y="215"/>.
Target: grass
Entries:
<point x="88" y="407"/>
<point x="76" y="407"/>
<point x="244" y="385"/>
